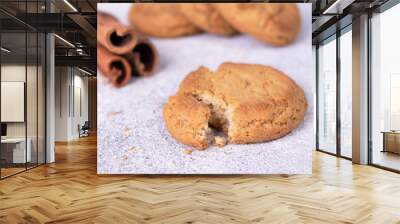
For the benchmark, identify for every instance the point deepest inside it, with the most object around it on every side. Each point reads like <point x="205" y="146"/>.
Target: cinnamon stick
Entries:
<point x="115" y="68"/>
<point x="144" y="57"/>
<point x="113" y="35"/>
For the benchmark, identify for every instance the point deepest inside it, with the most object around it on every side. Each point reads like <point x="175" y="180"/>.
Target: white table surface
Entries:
<point x="12" y="140"/>
<point x="132" y="138"/>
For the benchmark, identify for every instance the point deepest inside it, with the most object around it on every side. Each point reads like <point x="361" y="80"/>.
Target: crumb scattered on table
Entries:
<point x="131" y="149"/>
<point x="219" y="141"/>
<point x="188" y="151"/>
<point x="127" y="132"/>
<point x="113" y="113"/>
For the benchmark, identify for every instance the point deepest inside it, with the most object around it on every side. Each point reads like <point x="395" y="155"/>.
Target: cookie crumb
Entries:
<point x="131" y="149"/>
<point x="219" y="141"/>
<point x="113" y="113"/>
<point x="188" y="151"/>
<point x="125" y="157"/>
<point x="127" y="132"/>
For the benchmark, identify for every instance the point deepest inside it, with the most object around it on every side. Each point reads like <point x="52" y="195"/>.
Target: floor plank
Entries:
<point x="70" y="191"/>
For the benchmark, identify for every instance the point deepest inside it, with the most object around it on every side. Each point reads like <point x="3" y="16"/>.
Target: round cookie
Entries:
<point x="273" y="23"/>
<point x="206" y="17"/>
<point x="247" y="103"/>
<point x="161" y="20"/>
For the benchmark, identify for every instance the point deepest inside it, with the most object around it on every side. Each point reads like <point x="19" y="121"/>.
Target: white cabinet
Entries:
<point x="18" y="149"/>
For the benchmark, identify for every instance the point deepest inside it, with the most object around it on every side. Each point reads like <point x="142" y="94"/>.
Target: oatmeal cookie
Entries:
<point x="248" y="103"/>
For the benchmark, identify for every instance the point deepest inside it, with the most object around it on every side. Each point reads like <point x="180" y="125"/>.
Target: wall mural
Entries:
<point x="205" y="89"/>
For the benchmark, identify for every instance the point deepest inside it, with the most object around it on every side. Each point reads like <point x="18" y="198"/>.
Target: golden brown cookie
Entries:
<point x="247" y="103"/>
<point x="161" y="20"/>
<point x="206" y="17"/>
<point x="274" y="23"/>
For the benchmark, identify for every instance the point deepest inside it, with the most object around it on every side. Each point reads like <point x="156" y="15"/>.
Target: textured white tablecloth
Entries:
<point x="132" y="138"/>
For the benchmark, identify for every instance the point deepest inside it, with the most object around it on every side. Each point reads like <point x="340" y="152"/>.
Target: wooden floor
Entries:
<point x="69" y="191"/>
<point x="10" y="171"/>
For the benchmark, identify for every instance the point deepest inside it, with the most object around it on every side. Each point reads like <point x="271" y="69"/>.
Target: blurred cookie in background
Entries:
<point x="274" y="23"/>
<point x="206" y="17"/>
<point x="161" y="20"/>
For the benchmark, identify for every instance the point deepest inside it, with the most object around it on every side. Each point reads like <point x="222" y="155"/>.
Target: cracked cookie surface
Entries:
<point x="274" y="23"/>
<point x="161" y="20"/>
<point x="247" y="103"/>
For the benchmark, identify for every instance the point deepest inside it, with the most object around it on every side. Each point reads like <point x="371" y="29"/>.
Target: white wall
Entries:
<point x="80" y="110"/>
<point x="71" y="94"/>
<point x="62" y="81"/>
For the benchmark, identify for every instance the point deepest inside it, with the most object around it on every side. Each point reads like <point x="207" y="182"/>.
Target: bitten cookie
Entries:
<point x="161" y="20"/>
<point x="206" y="17"/>
<point x="273" y="23"/>
<point x="244" y="103"/>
